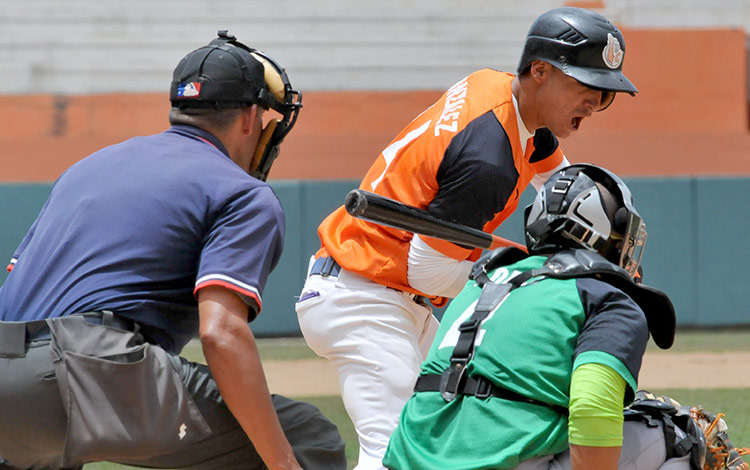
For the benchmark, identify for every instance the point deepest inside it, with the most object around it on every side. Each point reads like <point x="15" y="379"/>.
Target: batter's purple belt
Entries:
<point x="326" y="266"/>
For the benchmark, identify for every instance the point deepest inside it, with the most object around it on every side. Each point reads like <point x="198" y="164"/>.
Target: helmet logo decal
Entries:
<point x="189" y="90"/>
<point x="612" y="53"/>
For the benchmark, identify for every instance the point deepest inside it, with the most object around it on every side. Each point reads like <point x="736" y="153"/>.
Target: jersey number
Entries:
<point x="392" y="150"/>
<point x="450" y="340"/>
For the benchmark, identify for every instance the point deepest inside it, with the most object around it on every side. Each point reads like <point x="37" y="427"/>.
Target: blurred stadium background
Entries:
<point x="82" y="74"/>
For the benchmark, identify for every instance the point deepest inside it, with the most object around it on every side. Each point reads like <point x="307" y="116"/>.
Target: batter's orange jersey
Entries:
<point x="462" y="160"/>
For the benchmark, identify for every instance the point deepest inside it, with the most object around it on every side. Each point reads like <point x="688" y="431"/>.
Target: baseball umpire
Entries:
<point x="536" y="358"/>
<point x="466" y="159"/>
<point x="140" y="247"/>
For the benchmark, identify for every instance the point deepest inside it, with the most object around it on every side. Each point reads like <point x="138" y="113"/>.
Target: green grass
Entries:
<point x="702" y="340"/>
<point x="284" y="349"/>
<point x="686" y="340"/>
<point x="270" y="349"/>
<point x="333" y="408"/>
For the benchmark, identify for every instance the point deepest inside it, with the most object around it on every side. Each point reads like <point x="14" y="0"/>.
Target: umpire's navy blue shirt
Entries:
<point x="138" y="228"/>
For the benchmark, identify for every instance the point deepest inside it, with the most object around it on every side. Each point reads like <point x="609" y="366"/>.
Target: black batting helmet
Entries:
<point x="582" y="44"/>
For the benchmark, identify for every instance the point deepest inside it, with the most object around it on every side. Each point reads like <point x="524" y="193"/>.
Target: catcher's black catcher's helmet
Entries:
<point x="583" y="45"/>
<point x="586" y="206"/>
<point x="228" y="74"/>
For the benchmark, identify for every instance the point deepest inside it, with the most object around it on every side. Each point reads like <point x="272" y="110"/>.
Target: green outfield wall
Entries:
<point x="695" y="252"/>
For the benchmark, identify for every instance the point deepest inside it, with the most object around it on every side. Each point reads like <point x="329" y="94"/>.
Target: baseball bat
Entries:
<point x="385" y="211"/>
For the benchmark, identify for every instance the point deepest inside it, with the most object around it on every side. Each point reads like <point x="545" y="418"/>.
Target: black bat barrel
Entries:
<point x="385" y="211"/>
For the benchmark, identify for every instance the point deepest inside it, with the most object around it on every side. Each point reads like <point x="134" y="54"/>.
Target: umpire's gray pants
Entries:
<point x="130" y="402"/>
<point x="642" y="449"/>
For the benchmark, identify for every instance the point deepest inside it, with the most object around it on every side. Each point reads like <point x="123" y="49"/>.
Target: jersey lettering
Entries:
<point x="458" y="85"/>
<point x="453" y="106"/>
<point x="424" y="168"/>
<point x="444" y="127"/>
<point x="454" y="101"/>
<point x="448" y="116"/>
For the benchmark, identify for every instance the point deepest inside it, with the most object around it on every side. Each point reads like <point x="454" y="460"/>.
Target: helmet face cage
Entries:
<point x="571" y="210"/>
<point x="634" y="243"/>
<point x="285" y="100"/>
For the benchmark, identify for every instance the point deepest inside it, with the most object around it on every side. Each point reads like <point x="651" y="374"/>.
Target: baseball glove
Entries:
<point x="721" y="455"/>
<point x="707" y="439"/>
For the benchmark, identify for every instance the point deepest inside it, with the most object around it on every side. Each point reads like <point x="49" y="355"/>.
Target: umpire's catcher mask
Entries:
<point x="586" y="206"/>
<point x="228" y="74"/>
<point x="583" y="45"/>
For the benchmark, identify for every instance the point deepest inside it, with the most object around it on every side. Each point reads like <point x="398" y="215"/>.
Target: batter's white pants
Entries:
<point x="642" y="449"/>
<point x="376" y="338"/>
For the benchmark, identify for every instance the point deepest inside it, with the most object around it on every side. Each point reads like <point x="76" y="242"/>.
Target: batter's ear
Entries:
<point x="539" y="70"/>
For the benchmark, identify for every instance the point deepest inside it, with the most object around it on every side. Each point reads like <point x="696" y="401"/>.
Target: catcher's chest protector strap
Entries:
<point x="491" y="297"/>
<point x="576" y="263"/>
<point x="480" y="387"/>
<point x="564" y="265"/>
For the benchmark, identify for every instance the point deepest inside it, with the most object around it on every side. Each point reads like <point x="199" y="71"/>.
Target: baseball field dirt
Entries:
<point x="720" y="358"/>
<point x="311" y="377"/>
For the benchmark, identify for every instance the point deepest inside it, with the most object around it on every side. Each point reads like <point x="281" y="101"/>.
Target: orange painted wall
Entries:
<point x="337" y="134"/>
<point x="689" y="118"/>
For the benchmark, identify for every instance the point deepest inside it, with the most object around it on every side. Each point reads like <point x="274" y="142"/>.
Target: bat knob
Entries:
<point x="355" y="202"/>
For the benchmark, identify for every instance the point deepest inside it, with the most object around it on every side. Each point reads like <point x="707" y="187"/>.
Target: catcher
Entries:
<point x="535" y="359"/>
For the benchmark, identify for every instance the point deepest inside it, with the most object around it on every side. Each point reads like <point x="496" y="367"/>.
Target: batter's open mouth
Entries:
<point x="576" y="123"/>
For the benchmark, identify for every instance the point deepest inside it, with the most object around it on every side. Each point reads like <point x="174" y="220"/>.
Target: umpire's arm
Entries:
<point x="232" y="356"/>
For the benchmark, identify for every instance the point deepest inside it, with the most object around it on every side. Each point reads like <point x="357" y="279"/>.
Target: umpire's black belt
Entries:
<point x="39" y="330"/>
<point x="480" y="388"/>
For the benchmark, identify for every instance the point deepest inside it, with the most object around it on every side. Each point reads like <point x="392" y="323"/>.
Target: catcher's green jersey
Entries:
<point x="529" y="344"/>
